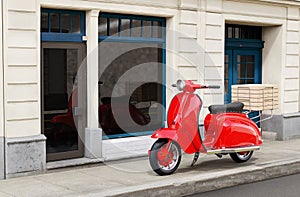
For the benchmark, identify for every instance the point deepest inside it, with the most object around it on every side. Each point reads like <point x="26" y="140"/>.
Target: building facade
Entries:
<point x="44" y="42"/>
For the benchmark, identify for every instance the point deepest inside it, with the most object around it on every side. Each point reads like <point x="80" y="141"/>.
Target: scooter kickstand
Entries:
<point x="196" y="156"/>
<point x="219" y="155"/>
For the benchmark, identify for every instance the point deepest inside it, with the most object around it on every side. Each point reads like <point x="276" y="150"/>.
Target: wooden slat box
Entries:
<point x="256" y="97"/>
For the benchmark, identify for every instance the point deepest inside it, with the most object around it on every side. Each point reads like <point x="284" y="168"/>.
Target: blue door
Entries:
<point x="242" y="66"/>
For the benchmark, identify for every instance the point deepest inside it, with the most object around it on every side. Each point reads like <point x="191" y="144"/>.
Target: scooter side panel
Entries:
<point x="232" y="130"/>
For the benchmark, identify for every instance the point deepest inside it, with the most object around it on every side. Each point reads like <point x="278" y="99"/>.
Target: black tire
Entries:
<point x="240" y="158"/>
<point x="156" y="164"/>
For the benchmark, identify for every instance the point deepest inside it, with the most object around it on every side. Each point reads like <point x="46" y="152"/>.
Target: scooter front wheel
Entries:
<point x="241" y="156"/>
<point x="165" y="157"/>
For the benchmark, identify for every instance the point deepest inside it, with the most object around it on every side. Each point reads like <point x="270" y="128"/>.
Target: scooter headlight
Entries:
<point x="180" y="84"/>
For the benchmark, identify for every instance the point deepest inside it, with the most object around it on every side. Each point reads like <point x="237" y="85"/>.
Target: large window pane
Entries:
<point x="143" y="98"/>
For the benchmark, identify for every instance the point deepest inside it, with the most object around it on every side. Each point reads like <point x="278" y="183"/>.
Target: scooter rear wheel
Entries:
<point x="162" y="161"/>
<point x="241" y="157"/>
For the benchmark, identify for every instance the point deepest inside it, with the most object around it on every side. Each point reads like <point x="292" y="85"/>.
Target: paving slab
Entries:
<point x="134" y="177"/>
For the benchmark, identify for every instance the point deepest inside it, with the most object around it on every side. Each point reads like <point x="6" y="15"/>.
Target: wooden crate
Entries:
<point x="256" y="97"/>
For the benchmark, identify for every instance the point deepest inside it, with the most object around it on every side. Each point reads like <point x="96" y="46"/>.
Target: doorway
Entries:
<point x="243" y="57"/>
<point x="63" y="119"/>
<point x="63" y="94"/>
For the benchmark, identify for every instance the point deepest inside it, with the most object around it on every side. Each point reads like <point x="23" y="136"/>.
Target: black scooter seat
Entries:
<point x="236" y="107"/>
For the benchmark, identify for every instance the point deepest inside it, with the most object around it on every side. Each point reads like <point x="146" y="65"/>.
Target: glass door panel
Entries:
<point x="60" y="96"/>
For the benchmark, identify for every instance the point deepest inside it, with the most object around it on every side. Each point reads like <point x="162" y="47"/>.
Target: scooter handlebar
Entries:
<point x="214" y="86"/>
<point x="211" y="86"/>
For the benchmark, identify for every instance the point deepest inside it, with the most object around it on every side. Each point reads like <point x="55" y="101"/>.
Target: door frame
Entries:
<point x="81" y="126"/>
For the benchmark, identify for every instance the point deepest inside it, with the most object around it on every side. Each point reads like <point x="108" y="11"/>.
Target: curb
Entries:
<point x="202" y="183"/>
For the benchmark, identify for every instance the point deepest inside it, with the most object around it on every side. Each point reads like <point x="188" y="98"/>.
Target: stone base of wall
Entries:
<point x="286" y="126"/>
<point x="2" y="171"/>
<point x="25" y="155"/>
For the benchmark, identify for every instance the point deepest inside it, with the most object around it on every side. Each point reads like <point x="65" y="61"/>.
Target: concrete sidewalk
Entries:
<point x="134" y="177"/>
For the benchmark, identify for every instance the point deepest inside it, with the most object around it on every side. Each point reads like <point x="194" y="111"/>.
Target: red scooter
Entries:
<point x="227" y="130"/>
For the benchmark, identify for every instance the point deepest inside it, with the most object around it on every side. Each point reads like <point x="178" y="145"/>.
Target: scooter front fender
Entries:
<point x="166" y="133"/>
<point x="183" y="141"/>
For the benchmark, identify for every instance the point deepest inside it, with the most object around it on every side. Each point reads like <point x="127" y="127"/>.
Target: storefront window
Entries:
<point x="131" y="65"/>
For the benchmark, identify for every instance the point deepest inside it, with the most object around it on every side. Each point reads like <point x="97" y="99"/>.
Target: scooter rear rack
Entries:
<point x="259" y="116"/>
<point x="232" y="150"/>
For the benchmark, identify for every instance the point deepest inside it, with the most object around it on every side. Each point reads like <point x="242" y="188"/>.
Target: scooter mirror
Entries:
<point x="180" y="84"/>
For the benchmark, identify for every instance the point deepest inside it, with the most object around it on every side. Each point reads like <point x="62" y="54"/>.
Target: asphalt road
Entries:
<point x="287" y="186"/>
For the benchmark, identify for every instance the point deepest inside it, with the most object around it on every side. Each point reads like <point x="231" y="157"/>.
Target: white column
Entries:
<point x="93" y="134"/>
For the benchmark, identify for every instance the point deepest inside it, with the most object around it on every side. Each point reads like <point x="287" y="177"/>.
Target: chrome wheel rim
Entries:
<point x="175" y="159"/>
<point x="243" y="155"/>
